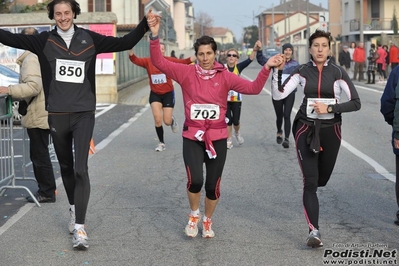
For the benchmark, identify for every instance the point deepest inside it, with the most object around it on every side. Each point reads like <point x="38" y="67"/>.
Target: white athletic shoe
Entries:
<point x="174" y="126"/>
<point x="207" y="231"/>
<point x="160" y="147"/>
<point x="80" y="239"/>
<point x="229" y="144"/>
<point x="239" y="138"/>
<point x="191" y="229"/>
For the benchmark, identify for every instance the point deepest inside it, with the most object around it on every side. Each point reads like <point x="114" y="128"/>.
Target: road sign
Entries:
<point x="323" y="26"/>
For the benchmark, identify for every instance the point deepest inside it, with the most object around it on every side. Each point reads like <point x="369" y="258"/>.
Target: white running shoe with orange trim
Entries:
<point x="191" y="229"/>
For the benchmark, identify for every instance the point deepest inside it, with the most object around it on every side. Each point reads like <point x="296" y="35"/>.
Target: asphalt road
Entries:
<point x="138" y="205"/>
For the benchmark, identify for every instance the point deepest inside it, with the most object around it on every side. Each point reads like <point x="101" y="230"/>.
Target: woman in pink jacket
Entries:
<point x="205" y="87"/>
<point x="381" y="64"/>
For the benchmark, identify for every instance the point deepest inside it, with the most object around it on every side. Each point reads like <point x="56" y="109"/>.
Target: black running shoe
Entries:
<point x="286" y="143"/>
<point x="397" y="218"/>
<point x="41" y="199"/>
<point x="279" y="138"/>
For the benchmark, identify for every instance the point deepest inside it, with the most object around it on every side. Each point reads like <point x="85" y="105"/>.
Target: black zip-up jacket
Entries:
<point x="68" y="74"/>
<point x="329" y="82"/>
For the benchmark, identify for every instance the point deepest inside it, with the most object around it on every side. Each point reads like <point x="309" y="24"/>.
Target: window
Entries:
<point x="99" y="5"/>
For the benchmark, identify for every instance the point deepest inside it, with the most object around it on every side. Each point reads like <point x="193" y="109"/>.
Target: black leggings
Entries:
<point x="283" y="109"/>
<point x="77" y="128"/>
<point x="380" y="71"/>
<point x="194" y="156"/>
<point x="233" y="113"/>
<point x="316" y="167"/>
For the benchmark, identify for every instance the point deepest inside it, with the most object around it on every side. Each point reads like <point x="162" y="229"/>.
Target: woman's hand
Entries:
<point x="257" y="46"/>
<point x="131" y="52"/>
<point x="320" y="108"/>
<point x="153" y="21"/>
<point x="274" y="61"/>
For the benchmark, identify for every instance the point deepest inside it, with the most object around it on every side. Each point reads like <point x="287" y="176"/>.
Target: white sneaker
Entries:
<point x="314" y="239"/>
<point x="239" y="138"/>
<point x="229" y="144"/>
<point x="207" y="231"/>
<point x="174" y="126"/>
<point x="160" y="147"/>
<point x="80" y="239"/>
<point x="191" y="229"/>
<point x="71" y="225"/>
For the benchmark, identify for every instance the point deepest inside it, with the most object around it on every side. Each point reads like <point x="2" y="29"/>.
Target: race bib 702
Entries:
<point x="204" y="111"/>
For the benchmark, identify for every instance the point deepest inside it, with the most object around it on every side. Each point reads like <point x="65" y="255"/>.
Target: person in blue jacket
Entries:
<point x="282" y="108"/>
<point x="390" y="111"/>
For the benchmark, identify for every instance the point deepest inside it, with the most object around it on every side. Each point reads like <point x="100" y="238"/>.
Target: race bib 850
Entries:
<point x="69" y="71"/>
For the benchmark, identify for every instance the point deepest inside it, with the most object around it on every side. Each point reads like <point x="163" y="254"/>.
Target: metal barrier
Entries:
<point x="7" y="171"/>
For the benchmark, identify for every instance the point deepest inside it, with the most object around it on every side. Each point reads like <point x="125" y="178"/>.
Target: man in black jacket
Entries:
<point x="67" y="57"/>
<point x="344" y="58"/>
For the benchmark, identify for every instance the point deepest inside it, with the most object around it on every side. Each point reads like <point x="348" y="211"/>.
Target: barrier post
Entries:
<point x="7" y="171"/>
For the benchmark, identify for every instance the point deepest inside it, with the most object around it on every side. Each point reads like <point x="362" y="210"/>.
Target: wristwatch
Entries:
<point x="330" y="108"/>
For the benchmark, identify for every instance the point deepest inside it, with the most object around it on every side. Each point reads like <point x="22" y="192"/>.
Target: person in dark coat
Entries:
<point x="344" y="58"/>
<point x="372" y="66"/>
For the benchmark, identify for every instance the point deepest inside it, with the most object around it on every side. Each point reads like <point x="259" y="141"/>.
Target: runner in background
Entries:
<point x="282" y="108"/>
<point x="162" y="95"/>
<point x="234" y="99"/>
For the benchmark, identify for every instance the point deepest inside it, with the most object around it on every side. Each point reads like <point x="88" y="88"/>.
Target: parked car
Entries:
<point x="7" y="77"/>
<point x="269" y="52"/>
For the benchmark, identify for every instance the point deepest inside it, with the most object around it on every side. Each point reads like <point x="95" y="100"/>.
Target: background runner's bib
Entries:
<point x="311" y="113"/>
<point x="204" y="111"/>
<point x="71" y="71"/>
<point x="234" y="96"/>
<point x="158" y="78"/>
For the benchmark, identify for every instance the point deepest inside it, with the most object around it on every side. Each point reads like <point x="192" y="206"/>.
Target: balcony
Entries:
<point x="374" y="24"/>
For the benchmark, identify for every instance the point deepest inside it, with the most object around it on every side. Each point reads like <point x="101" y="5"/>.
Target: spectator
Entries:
<point x="372" y="65"/>
<point x="393" y="55"/>
<point x="359" y="57"/>
<point x="390" y="110"/>
<point x="385" y="47"/>
<point x="381" y="63"/>
<point x="351" y="50"/>
<point x="35" y="121"/>
<point x="344" y="58"/>
<point x="172" y="54"/>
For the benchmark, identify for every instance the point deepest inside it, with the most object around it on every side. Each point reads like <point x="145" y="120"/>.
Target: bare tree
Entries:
<point x="203" y="24"/>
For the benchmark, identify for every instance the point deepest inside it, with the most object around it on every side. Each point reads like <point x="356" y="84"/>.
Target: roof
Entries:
<point x="295" y="5"/>
<point x="219" y="31"/>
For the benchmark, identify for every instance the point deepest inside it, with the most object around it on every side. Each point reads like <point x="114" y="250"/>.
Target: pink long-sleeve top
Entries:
<point x="208" y="95"/>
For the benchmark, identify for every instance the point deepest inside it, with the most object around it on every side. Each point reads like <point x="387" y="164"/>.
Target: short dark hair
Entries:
<point x="318" y="34"/>
<point x="30" y="31"/>
<point x="205" y="40"/>
<point x="74" y="6"/>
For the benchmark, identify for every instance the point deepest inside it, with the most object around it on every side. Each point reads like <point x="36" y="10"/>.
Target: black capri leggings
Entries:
<point x="316" y="167"/>
<point x="194" y="156"/>
<point x="233" y="113"/>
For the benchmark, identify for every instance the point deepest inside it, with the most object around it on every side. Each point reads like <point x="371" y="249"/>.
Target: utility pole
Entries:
<point x="361" y="22"/>
<point x="272" y="29"/>
<point x="166" y="35"/>
<point x="285" y="21"/>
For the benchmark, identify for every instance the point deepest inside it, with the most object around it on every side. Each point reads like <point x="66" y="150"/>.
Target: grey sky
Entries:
<point x="236" y="14"/>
